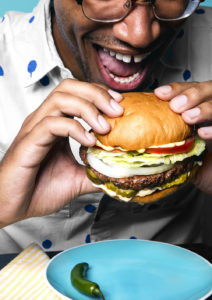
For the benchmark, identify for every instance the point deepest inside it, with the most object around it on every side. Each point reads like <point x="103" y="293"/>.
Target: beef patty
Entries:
<point x="143" y="181"/>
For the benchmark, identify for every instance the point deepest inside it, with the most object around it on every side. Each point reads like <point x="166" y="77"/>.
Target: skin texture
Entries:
<point x="39" y="174"/>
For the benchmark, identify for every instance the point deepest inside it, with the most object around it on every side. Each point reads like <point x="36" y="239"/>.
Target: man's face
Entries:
<point x="120" y="55"/>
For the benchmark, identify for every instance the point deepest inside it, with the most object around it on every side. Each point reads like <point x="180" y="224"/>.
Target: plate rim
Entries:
<point x="106" y="241"/>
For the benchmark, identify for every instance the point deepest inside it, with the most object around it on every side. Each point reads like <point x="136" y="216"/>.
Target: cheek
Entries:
<point x="72" y="23"/>
<point x="173" y="26"/>
<point x="169" y="31"/>
<point x="70" y="16"/>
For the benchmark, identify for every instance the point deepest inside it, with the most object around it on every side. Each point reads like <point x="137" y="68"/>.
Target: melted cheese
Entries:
<point x="109" y="148"/>
<point x="170" y="145"/>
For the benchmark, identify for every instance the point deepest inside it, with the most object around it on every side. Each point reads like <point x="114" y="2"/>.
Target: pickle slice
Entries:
<point x="92" y="176"/>
<point x="124" y="193"/>
<point x="181" y="179"/>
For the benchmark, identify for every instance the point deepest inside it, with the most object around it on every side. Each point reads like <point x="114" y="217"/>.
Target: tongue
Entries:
<point x="117" y="67"/>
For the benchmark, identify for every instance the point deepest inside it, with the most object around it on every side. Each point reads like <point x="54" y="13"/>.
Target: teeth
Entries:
<point x="119" y="56"/>
<point x="125" y="57"/>
<point x="124" y="80"/>
<point x="112" y="53"/>
<point x="138" y="58"/>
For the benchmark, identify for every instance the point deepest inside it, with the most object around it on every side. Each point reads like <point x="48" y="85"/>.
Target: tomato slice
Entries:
<point x="189" y="143"/>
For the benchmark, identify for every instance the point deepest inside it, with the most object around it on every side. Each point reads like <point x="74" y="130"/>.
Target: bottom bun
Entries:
<point x="156" y="195"/>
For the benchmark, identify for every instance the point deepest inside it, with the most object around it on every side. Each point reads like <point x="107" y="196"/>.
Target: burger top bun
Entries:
<point x="147" y="121"/>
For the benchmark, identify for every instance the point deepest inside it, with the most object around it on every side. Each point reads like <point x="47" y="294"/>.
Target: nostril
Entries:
<point x="139" y="29"/>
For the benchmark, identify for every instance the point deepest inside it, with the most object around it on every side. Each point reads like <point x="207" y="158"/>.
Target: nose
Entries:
<point x="139" y="28"/>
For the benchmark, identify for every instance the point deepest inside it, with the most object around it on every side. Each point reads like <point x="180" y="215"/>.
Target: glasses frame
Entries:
<point x="191" y="7"/>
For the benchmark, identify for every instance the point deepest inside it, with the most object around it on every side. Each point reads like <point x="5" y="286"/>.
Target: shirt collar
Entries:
<point x="40" y="50"/>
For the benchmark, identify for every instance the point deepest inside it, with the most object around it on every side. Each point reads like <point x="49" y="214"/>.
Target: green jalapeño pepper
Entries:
<point x="83" y="285"/>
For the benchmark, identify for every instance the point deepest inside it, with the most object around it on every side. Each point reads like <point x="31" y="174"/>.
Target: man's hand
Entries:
<point x="193" y="100"/>
<point x="39" y="174"/>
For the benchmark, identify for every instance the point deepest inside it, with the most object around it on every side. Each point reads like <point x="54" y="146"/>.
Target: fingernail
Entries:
<point x="117" y="96"/>
<point x="193" y="113"/>
<point x="165" y="89"/>
<point x="205" y="132"/>
<point x="90" y="137"/>
<point x="103" y="123"/>
<point x="116" y="106"/>
<point x="178" y="102"/>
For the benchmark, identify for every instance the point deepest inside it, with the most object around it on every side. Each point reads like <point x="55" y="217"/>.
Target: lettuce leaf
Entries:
<point x="136" y="159"/>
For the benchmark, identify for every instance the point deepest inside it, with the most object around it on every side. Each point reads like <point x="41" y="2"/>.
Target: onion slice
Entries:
<point x="120" y="172"/>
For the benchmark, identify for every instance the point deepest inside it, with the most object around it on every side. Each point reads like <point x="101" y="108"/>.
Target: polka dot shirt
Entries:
<point x="30" y="68"/>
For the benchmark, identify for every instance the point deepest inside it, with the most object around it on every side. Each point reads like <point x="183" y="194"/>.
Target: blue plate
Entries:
<point x="134" y="270"/>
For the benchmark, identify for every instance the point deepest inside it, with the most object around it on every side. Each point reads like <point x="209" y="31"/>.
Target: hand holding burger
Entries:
<point x="149" y="153"/>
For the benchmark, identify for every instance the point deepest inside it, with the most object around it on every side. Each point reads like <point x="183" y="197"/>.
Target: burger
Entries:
<point x="149" y="153"/>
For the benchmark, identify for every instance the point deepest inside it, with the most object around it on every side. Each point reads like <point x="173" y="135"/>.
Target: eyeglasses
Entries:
<point x="110" y="11"/>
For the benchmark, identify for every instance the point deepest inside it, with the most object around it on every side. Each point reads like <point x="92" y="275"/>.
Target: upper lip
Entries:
<point x="122" y="50"/>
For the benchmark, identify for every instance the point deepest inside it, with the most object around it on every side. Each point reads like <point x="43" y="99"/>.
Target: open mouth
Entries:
<point x="122" y="71"/>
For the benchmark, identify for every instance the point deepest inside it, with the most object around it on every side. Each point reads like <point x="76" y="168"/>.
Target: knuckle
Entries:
<point x="74" y="125"/>
<point x="100" y="90"/>
<point x="55" y="98"/>
<point x="100" y="85"/>
<point x="27" y="120"/>
<point x="89" y="107"/>
<point x="205" y="111"/>
<point x="101" y="98"/>
<point x="88" y="110"/>
<point x="46" y="121"/>
<point x="176" y="85"/>
<point x="65" y="83"/>
<point x="103" y="92"/>
<point x="207" y="107"/>
<point x="195" y="92"/>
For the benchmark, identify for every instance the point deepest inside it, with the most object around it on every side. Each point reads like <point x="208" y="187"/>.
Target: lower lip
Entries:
<point x="121" y="86"/>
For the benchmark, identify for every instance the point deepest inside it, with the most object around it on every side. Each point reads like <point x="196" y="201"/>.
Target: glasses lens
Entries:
<point x="106" y="10"/>
<point x="170" y="9"/>
<point x="115" y="10"/>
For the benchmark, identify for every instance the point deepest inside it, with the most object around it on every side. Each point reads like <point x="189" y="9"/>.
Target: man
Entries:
<point x="70" y="59"/>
